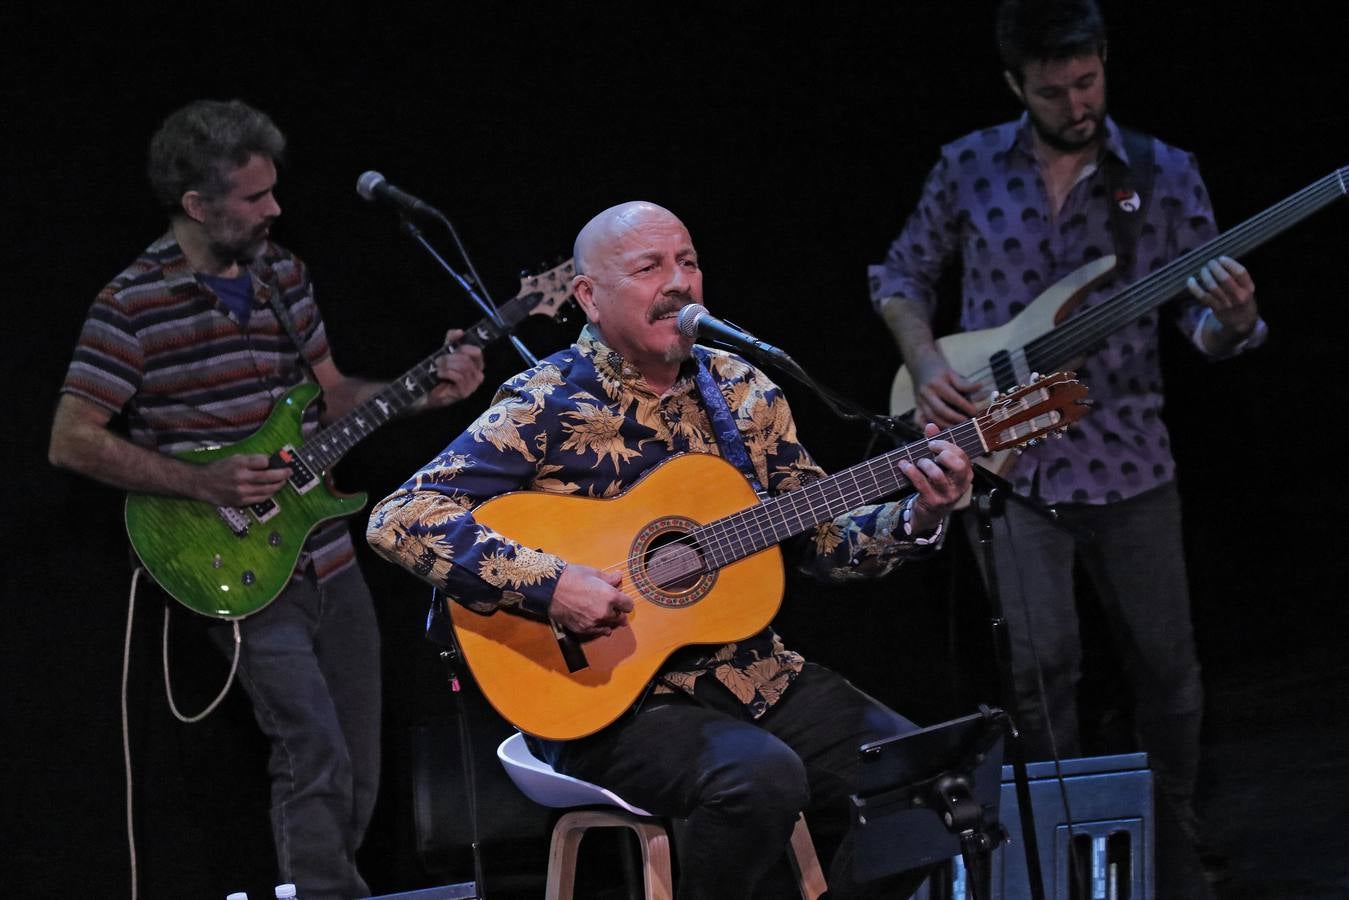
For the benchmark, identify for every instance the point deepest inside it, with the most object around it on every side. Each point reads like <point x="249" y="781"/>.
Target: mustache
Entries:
<point x="672" y="304"/>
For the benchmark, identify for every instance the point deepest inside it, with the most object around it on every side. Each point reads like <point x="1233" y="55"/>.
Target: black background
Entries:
<point x="792" y="141"/>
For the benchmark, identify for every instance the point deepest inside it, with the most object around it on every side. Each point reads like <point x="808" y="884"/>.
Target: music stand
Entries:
<point x="925" y="796"/>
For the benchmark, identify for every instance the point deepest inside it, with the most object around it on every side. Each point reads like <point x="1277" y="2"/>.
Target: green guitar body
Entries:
<point x="227" y="572"/>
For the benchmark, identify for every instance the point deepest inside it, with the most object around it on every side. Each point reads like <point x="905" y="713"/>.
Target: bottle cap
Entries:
<point x="237" y="895"/>
<point x="285" y="891"/>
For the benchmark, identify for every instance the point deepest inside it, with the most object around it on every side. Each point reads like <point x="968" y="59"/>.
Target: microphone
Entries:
<point x="373" y="186"/>
<point x="695" y="321"/>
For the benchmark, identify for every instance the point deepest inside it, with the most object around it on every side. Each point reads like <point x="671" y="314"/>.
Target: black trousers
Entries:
<point x="740" y="782"/>
<point x="1137" y="565"/>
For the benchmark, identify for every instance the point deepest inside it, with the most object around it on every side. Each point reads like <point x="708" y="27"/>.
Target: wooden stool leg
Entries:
<point x="562" y="850"/>
<point x="655" y="841"/>
<point x="566" y="842"/>
<point x="806" y="865"/>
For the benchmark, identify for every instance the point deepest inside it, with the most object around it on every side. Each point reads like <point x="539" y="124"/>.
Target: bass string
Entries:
<point x="1160" y="285"/>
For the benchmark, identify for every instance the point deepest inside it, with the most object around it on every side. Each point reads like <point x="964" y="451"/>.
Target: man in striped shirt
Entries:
<point x="189" y="342"/>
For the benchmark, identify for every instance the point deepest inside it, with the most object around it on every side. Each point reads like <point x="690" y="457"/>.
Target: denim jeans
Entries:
<point x="740" y="783"/>
<point x="310" y="664"/>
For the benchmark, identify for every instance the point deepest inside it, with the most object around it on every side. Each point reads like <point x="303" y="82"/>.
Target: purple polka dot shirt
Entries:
<point x="985" y="203"/>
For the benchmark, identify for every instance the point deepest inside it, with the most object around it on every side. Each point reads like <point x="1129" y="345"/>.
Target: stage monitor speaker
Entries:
<point x="1112" y="840"/>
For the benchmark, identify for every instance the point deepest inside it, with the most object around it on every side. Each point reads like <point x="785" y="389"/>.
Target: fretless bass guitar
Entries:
<point x="230" y="562"/>
<point x="1042" y="337"/>
<point x="697" y="550"/>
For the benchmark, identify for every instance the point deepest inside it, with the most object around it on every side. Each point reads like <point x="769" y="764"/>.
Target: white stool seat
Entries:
<point x="546" y="786"/>
<point x="541" y="783"/>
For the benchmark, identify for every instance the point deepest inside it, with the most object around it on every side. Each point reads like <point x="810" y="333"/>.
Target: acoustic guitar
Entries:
<point x="697" y="550"/>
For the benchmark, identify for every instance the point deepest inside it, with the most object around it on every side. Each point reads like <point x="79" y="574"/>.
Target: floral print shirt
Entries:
<point x="585" y="422"/>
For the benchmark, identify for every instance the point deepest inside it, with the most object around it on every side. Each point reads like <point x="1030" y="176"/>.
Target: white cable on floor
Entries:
<point x="126" y="728"/>
<point x="168" y="692"/>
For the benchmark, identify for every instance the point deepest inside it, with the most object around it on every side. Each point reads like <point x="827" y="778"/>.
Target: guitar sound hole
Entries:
<point x="669" y="570"/>
<point x="673" y="564"/>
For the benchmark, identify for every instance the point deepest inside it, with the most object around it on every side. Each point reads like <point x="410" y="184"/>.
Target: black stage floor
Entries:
<point x="1275" y="787"/>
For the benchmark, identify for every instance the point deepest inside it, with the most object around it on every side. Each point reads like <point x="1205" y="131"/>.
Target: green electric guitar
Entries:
<point x="230" y="562"/>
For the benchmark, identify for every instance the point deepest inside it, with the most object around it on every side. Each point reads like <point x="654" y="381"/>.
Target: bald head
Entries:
<point x="636" y="268"/>
<point x="596" y="240"/>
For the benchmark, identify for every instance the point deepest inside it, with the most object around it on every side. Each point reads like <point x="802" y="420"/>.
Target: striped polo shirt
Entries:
<point x="160" y="346"/>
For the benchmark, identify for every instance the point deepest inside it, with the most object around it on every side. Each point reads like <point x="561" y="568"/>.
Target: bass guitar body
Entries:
<point x="975" y="351"/>
<point x="978" y="351"/>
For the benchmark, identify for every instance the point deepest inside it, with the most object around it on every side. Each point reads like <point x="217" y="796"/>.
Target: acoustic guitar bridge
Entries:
<point x="572" y="653"/>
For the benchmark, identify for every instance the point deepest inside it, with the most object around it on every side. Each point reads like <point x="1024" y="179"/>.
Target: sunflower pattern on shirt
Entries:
<point x="584" y="422"/>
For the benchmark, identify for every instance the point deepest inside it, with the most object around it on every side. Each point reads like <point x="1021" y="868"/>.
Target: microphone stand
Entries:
<point x="485" y="304"/>
<point x="440" y="630"/>
<point x="988" y="498"/>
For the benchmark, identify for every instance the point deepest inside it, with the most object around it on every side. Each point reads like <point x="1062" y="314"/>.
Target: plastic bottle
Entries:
<point x="285" y="892"/>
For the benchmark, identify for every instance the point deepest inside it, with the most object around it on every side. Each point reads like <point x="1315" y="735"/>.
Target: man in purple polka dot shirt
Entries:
<point x="1022" y="205"/>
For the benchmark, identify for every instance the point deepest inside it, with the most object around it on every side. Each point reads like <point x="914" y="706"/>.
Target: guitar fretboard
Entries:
<point x="738" y="535"/>
<point x="1024" y="415"/>
<point x="325" y="448"/>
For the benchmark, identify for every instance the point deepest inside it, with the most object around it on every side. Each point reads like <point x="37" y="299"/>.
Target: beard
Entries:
<point x="240" y="250"/>
<point x="676" y="353"/>
<point x="1059" y="141"/>
<point x="236" y="253"/>
<point x="229" y="242"/>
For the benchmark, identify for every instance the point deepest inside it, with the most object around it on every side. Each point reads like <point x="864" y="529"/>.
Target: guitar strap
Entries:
<point x="279" y="309"/>
<point x="1128" y="193"/>
<point x="723" y="422"/>
<point x="733" y="450"/>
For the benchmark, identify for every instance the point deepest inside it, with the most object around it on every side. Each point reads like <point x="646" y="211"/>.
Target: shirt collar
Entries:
<point x="610" y="363"/>
<point x="177" y="268"/>
<point x="175" y="265"/>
